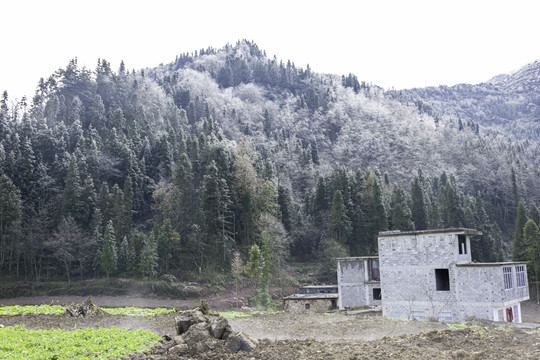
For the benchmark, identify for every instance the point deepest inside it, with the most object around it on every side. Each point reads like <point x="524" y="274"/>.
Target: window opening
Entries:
<point x="520" y="276"/>
<point x="307" y="306"/>
<point x="507" y="274"/>
<point x="377" y="294"/>
<point x="373" y="270"/>
<point x="442" y="279"/>
<point x="462" y="243"/>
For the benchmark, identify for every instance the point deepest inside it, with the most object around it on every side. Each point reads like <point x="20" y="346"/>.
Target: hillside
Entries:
<point x="508" y="103"/>
<point x="177" y="169"/>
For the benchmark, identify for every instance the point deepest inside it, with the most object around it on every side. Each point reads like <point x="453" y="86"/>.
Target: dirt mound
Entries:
<point x="86" y="308"/>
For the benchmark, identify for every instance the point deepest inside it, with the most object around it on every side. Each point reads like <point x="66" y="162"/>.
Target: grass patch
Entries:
<point x="134" y="311"/>
<point x="20" y="343"/>
<point x="32" y="309"/>
<point x="60" y="310"/>
<point x="456" y="325"/>
<point x="233" y="314"/>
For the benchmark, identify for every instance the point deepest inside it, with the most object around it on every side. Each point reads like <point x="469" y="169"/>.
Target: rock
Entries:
<point x="178" y="340"/>
<point x="1" y="326"/>
<point x="179" y="349"/>
<point x="188" y="318"/>
<point x="196" y="333"/>
<point x="241" y="342"/>
<point x="159" y="349"/>
<point x="219" y="327"/>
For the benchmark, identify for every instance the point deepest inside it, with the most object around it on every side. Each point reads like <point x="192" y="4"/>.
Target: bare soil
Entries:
<point x="314" y="336"/>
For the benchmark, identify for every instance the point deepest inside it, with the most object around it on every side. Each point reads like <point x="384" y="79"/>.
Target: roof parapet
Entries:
<point x="458" y="231"/>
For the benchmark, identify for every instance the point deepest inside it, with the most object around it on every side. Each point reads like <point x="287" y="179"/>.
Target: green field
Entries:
<point x="20" y="343"/>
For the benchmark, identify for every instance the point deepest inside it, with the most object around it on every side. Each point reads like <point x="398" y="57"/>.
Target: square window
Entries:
<point x="442" y="279"/>
<point x="520" y="276"/>
<point x="377" y="294"/>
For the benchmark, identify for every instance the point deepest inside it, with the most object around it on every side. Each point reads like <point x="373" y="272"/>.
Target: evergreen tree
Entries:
<point x="531" y="252"/>
<point x="148" y="259"/>
<point x="123" y="255"/>
<point x="401" y="214"/>
<point x="109" y="257"/>
<point x="268" y="199"/>
<point x="340" y="224"/>
<point x="285" y="207"/>
<point x="534" y="213"/>
<point x="418" y="210"/>
<point x="71" y="197"/>
<point x="519" y="246"/>
<point x="10" y="218"/>
<point x="168" y="242"/>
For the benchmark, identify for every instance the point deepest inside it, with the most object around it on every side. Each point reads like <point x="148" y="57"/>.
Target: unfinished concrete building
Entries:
<point x="358" y="282"/>
<point x="430" y="275"/>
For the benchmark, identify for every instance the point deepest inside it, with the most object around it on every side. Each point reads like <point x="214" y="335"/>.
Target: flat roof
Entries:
<point x="318" y="286"/>
<point x="356" y="258"/>
<point x="311" y="296"/>
<point x="459" y="231"/>
<point x="508" y="263"/>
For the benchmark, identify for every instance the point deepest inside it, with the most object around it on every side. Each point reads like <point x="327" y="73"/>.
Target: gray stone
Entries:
<point x="196" y="333"/>
<point x="179" y="349"/>
<point x="178" y="340"/>
<point x="219" y="327"/>
<point x="241" y="342"/>
<point x="185" y="320"/>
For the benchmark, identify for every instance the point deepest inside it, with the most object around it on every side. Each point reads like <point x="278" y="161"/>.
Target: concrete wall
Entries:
<point x="353" y="287"/>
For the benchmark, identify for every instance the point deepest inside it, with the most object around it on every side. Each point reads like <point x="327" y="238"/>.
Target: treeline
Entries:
<point x="181" y="171"/>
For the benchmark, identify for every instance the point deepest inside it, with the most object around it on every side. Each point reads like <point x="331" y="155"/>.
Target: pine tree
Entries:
<point x="168" y="242"/>
<point x="71" y="197"/>
<point x="285" y="207"/>
<point x="340" y="224"/>
<point x="109" y="257"/>
<point x="534" y="213"/>
<point x="418" y="210"/>
<point x="401" y="214"/>
<point x="148" y="259"/>
<point x="10" y="218"/>
<point x="519" y="246"/>
<point x="123" y="254"/>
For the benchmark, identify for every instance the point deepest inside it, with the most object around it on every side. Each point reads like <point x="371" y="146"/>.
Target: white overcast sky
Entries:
<point x="391" y="43"/>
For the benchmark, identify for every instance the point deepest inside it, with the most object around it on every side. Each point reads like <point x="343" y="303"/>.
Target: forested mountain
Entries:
<point x="508" y="103"/>
<point x="177" y="168"/>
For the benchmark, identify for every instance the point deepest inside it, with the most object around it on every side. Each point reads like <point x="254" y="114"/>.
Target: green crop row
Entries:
<point x="60" y="310"/>
<point x="105" y="343"/>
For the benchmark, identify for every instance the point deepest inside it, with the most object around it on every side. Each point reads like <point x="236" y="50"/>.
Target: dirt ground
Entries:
<point x="316" y="336"/>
